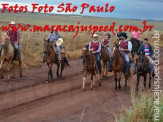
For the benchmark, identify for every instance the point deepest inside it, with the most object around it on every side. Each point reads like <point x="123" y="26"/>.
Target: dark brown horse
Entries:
<point x="105" y="59"/>
<point x="118" y="66"/>
<point x="51" y="58"/>
<point x="90" y="67"/>
<point x="135" y="47"/>
<point x="143" y="68"/>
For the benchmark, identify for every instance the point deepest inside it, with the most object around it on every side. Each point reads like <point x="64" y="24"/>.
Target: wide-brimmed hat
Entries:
<point x="95" y="36"/>
<point x="59" y="42"/>
<point x="12" y="23"/>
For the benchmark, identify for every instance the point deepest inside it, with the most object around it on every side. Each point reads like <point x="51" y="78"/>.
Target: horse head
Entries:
<point x="115" y="49"/>
<point x="4" y="40"/>
<point x="141" y="63"/>
<point x="47" y="46"/>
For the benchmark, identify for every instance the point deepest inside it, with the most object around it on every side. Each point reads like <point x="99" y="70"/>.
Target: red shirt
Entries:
<point x="95" y="46"/>
<point x="13" y="34"/>
<point x="106" y="41"/>
<point x="124" y="44"/>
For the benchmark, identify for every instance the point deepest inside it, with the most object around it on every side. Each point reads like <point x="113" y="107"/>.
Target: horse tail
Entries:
<point x="66" y="62"/>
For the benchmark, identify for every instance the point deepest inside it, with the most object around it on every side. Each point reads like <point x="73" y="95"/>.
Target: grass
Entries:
<point x="142" y="109"/>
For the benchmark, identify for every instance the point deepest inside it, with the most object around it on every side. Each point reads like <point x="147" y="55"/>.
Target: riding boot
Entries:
<point x="111" y="65"/>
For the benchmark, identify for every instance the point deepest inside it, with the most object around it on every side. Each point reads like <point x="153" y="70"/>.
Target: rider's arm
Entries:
<point x="129" y="46"/>
<point x="89" y="47"/>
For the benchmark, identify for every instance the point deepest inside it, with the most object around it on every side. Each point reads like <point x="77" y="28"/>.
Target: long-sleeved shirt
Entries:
<point x="129" y="44"/>
<point x="54" y="37"/>
<point x="99" y="48"/>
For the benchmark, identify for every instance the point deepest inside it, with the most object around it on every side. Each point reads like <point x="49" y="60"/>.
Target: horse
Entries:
<point x="118" y="66"/>
<point x="7" y="55"/>
<point x="143" y="68"/>
<point x="90" y="67"/>
<point x="135" y="47"/>
<point x="105" y="59"/>
<point x="51" y="58"/>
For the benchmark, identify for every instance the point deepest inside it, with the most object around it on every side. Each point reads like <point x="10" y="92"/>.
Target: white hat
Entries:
<point x="59" y="42"/>
<point x="95" y="35"/>
<point x="12" y="23"/>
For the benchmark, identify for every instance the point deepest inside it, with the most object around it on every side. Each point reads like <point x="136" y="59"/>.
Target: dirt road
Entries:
<point x="30" y="99"/>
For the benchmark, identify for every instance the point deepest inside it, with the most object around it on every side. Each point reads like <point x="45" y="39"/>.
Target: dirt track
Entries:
<point x="30" y="99"/>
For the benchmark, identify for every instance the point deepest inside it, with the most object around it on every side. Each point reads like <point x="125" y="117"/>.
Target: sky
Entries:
<point x="132" y="9"/>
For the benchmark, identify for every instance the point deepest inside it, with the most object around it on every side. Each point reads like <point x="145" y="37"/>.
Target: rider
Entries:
<point x="95" y="47"/>
<point x="14" y="38"/>
<point x="136" y="34"/>
<point x="53" y="37"/>
<point x="107" y="42"/>
<point x="147" y="49"/>
<point x="125" y="47"/>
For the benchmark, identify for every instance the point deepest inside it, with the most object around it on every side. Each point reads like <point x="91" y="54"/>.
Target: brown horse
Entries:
<point x="118" y="66"/>
<point x="90" y="67"/>
<point x="143" y="68"/>
<point x="7" y="55"/>
<point x="51" y="58"/>
<point x="135" y="47"/>
<point x="105" y="59"/>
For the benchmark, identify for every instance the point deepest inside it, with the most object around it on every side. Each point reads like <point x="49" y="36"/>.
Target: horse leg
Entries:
<point x="49" y="73"/>
<point x="150" y="77"/>
<point x="20" y="66"/>
<point x="137" y="84"/>
<point x="103" y="70"/>
<point x="91" y="86"/>
<point x="1" y="67"/>
<point x="99" y="76"/>
<point x="115" y="76"/>
<point x="58" y="66"/>
<point x="85" y="74"/>
<point x="62" y="67"/>
<point x="126" y="78"/>
<point x="9" y="69"/>
<point x="119" y="81"/>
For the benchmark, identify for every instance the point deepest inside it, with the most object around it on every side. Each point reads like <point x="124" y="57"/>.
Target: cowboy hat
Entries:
<point x="12" y="23"/>
<point x="59" y="42"/>
<point x="95" y="35"/>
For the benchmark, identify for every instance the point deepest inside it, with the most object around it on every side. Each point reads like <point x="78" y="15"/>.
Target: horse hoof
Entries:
<point x="91" y="88"/>
<point x="125" y="86"/>
<point x="47" y="82"/>
<point x="119" y="87"/>
<point x="99" y="84"/>
<point x="2" y="77"/>
<point x="21" y="75"/>
<point x="83" y="89"/>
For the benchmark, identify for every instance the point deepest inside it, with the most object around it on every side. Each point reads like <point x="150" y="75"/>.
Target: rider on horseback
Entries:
<point x="147" y="49"/>
<point x="125" y="47"/>
<point x="53" y="37"/>
<point x="106" y="42"/>
<point x="95" y="47"/>
<point x="136" y="35"/>
<point x="14" y="38"/>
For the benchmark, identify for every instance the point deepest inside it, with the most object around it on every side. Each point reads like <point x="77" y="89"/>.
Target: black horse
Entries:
<point x="135" y="46"/>
<point x="143" y="68"/>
